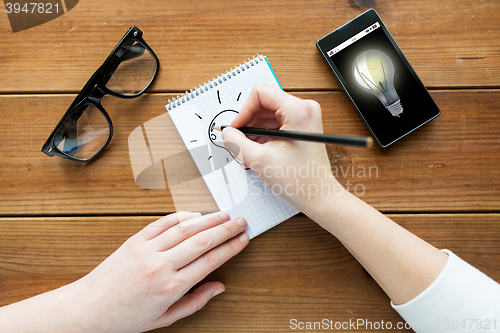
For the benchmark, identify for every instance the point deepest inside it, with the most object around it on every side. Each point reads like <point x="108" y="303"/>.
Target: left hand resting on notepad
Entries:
<point x="295" y="170"/>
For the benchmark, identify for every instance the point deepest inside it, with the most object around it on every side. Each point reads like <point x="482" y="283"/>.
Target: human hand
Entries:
<point x="141" y="286"/>
<point x="298" y="171"/>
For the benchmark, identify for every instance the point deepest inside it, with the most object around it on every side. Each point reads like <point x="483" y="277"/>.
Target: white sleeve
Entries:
<point x="461" y="299"/>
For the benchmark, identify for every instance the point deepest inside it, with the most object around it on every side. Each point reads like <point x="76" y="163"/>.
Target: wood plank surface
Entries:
<point x="450" y="43"/>
<point x="296" y="270"/>
<point x="59" y="219"/>
<point x="448" y="165"/>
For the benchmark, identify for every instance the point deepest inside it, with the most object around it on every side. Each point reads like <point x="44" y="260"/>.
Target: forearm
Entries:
<point x="60" y="310"/>
<point x="401" y="263"/>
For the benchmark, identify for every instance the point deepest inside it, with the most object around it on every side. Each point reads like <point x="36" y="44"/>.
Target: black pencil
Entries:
<point x="291" y="135"/>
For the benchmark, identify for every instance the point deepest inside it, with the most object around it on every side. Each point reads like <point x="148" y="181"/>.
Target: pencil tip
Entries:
<point x="369" y="142"/>
<point x="217" y="128"/>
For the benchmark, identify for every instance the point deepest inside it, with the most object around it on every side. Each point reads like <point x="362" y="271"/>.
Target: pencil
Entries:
<point x="359" y="141"/>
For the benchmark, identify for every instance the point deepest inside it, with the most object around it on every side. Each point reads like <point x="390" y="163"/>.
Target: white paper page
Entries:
<point x="235" y="190"/>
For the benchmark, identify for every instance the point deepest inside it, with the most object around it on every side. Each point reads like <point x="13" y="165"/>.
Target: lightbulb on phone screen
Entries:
<point x="373" y="72"/>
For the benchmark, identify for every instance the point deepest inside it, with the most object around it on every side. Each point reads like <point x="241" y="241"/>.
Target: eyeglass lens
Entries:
<point x="87" y="130"/>
<point x="136" y="68"/>
<point x="84" y="133"/>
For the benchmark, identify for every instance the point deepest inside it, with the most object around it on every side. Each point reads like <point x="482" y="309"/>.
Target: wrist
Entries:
<point x="88" y="306"/>
<point x="76" y="308"/>
<point x="330" y="210"/>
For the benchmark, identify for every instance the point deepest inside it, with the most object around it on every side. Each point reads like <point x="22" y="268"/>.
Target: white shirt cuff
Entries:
<point x="461" y="294"/>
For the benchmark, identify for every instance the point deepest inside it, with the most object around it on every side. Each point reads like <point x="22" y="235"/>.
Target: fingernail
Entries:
<point x="240" y="222"/>
<point x="224" y="216"/>
<point x="223" y="134"/>
<point x="244" y="237"/>
<point x="218" y="292"/>
<point x="197" y="214"/>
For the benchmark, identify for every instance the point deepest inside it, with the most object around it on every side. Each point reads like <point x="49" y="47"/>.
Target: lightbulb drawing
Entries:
<point x="373" y="72"/>
<point x="222" y="156"/>
<point x="216" y="162"/>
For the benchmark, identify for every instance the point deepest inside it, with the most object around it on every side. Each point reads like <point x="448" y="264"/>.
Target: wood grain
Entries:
<point x="296" y="270"/>
<point x="449" y="43"/>
<point x="448" y="165"/>
<point x="59" y="219"/>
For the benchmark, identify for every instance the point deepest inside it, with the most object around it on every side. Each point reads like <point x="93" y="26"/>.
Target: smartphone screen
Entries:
<point x="386" y="91"/>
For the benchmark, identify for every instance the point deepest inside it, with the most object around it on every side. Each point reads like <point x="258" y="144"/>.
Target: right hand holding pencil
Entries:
<point x="295" y="170"/>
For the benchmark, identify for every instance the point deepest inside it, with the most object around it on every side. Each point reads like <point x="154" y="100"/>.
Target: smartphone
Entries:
<point x="378" y="79"/>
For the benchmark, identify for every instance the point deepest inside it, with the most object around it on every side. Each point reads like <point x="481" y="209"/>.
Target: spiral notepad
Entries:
<point x="235" y="190"/>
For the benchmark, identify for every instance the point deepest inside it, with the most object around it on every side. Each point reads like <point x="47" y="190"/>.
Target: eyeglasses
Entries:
<point x="85" y="130"/>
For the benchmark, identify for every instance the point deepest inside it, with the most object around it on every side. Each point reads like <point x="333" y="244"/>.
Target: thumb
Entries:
<point x="190" y="303"/>
<point x="241" y="146"/>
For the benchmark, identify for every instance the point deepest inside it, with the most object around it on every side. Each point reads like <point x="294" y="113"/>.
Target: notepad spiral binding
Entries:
<point x="188" y="95"/>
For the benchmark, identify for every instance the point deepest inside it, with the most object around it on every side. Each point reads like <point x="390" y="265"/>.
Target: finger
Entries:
<point x="194" y="247"/>
<point x="269" y="123"/>
<point x="262" y="96"/>
<point x="190" y="303"/>
<point x="210" y="261"/>
<point x="159" y="226"/>
<point x="240" y="145"/>
<point x="187" y="229"/>
<point x="262" y="140"/>
<point x="260" y="116"/>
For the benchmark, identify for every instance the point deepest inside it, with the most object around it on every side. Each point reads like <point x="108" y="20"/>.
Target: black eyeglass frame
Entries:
<point x="95" y="89"/>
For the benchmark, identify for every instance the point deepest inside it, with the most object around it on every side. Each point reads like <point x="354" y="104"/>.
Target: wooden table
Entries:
<point x="59" y="218"/>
